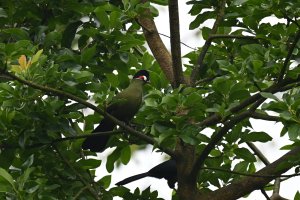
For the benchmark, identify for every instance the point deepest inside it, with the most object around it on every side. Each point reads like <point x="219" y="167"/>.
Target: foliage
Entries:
<point x="88" y="48"/>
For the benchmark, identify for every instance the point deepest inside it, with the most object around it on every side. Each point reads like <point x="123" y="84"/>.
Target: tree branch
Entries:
<point x="73" y="138"/>
<point x="82" y="179"/>
<point x="56" y="92"/>
<point x="175" y="42"/>
<point x="284" y="85"/>
<point x="215" y="140"/>
<point x="159" y="50"/>
<point x="198" y="68"/>
<point x="257" y="115"/>
<point x="258" y="153"/>
<point x="288" y="57"/>
<point x="250" y="175"/>
<point x="246" y="185"/>
<point x="262" y="157"/>
<point x="220" y="134"/>
<point x="220" y="36"/>
<point x="256" y="99"/>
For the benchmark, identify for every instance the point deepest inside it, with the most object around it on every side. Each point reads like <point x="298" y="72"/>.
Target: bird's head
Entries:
<point x="142" y="75"/>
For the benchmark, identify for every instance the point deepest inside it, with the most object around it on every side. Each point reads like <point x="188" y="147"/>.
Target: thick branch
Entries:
<point x="56" y="92"/>
<point x="197" y="69"/>
<point x="175" y="42"/>
<point x="159" y="50"/>
<point x="246" y="185"/>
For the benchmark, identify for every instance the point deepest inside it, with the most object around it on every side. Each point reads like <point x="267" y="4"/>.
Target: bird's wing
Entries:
<point x="116" y="104"/>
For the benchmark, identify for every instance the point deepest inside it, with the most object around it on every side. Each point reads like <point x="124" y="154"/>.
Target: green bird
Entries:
<point x="123" y="106"/>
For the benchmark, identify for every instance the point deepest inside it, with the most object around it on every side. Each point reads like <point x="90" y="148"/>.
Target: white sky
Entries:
<point x="145" y="160"/>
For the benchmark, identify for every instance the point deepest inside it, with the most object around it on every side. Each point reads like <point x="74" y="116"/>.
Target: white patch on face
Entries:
<point x="144" y="78"/>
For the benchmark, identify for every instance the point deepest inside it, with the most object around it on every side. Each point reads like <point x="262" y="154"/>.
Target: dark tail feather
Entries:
<point x="98" y="143"/>
<point x="132" y="178"/>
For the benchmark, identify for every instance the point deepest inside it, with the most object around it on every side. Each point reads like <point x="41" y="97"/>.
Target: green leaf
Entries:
<point x="241" y="167"/>
<point x="52" y="38"/>
<point x="115" y="21"/>
<point x="4" y="174"/>
<point x="36" y="56"/>
<point x="83" y="76"/>
<point x="111" y="159"/>
<point x="160" y="2"/>
<point x="256" y="137"/>
<point x="125" y="155"/>
<point x="102" y="16"/>
<point x="244" y="154"/>
<point x="89" y="163"/>
<point x="192" y="99"/>
<point x="200" y="19"/>
<point x="294" y="131"/>
<point x="3" y="13"/>
<point x="170" y="101"/>
<point x="6" y="87"/>
<point x="222" y="85"/>
<point x="17" y="33"/>
<point x="29" y="161"/>
<point x="87" y="54"/>
<point x="24" y="178"/>
<point x="297" y="196"/>
<point x="268" y="95"/>
<point x="105" y="181"/>
<point x="113" y="79"/>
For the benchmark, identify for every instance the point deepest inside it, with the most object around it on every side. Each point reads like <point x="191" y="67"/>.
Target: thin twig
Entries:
<point x="257" y="115"/>
<point x="288" y="57"/>
<point x="249" y="184"/>
<point x="80" y="192"/>
<point x="82" y="179"/>
<point x="207" y="79"/>
<point x="222" y="36"/>
<point x="262" y="157"/>
<point x="250" y="175"/>
<point x="215" y="140"/>
<point x="284" y="85"/>
<point x="229" y="124"/>
<point x="265" y="194"/>
<point x="198" y="68"/>
<point x="76" y="137"/>
<point x="167" y="36"/>
<point x="258" y="153"/>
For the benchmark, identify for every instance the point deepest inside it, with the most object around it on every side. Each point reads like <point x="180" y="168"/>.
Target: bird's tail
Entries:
<point x="98" y="143"/>
<point x="132" y="178"/>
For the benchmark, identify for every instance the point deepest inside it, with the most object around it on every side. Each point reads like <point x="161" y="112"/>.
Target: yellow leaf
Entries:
<point x="16" y="69"/>
<point x="23" y="62"/>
